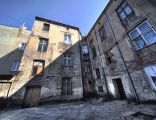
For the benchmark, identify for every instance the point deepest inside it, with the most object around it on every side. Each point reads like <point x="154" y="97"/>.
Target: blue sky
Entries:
<point x="79" y="13"/>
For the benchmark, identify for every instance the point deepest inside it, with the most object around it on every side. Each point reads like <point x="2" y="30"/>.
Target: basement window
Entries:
<point x="46" y="27"/>
<point x="38" y="67"/>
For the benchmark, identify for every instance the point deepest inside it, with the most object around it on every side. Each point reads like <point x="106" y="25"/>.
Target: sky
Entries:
<point x="78" y="13"/>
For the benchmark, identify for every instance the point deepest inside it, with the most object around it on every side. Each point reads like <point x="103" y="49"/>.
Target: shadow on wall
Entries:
<point x="29" y="92"/>
<point x="8" y="73"/>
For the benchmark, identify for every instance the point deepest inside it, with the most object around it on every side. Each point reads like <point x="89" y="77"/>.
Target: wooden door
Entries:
<point x="32" y="96"/>
<point x="66" y="86"/>
<point x="4" y="90"/>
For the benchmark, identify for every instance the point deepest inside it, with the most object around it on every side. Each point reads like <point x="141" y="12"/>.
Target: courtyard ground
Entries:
<point x="90" y="110"/>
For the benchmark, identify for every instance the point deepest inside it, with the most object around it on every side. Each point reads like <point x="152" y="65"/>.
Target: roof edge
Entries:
<point x="56" y="23"/>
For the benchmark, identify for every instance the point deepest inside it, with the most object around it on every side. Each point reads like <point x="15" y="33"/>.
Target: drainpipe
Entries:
<point x="105" y="79"/>
<point x="134" y="90"/>
<point x="83" y="83"/>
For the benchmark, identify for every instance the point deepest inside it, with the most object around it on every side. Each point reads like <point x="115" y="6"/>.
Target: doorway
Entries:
<point x="66" y="86"/>
<point x="32" y="96"/>
<point x="119" y="87"/>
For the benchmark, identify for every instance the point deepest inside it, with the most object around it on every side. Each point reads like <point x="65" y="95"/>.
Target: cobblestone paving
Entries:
<point x="114" y="110"/>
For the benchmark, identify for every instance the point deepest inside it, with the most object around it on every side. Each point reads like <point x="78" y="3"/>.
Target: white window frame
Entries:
<point x="149" y="72"/>
<point x="15" y="66"/>
<point x="66" y="59"/>
<point x="67" y="39"/>
<point x="43" y="44"/>
<point x="141" y="34"/>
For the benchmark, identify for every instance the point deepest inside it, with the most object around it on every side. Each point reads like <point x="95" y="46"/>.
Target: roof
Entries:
<point x="56" y="23"/>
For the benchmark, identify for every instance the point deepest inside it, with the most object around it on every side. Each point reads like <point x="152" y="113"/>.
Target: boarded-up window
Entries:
<point x="66" y="86"/>
<point x="38" y="67"/>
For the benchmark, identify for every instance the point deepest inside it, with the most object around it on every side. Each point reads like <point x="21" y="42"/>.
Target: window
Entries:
<point x="98" y="76"/>
<point x="15" y="65"/>
<point x="67" y="39"/>
<point x="94" y="52"/>
<point x="143" y="35"/>
<point x="151" y="72"/>
<point x="66" y="86"/>
<point x="67" y="60"/>
<point x="22" y="46"/>
<point x="109" y="57"/>
<point x="43" y="45"/>
<point x="100" y="88"/>
<point x="46" y="27"/>
<point x="124" y="10"/>
<point x="102" y="33"/>
<point x="38" y="67"/>
<point x="84" y="49"/>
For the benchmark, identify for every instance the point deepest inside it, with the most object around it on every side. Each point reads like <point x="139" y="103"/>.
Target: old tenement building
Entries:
<point x="123" y="50"/>
<point x="53" y="62"/>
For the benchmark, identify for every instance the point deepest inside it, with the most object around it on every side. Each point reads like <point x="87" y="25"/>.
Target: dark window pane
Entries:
<point x="98" y="73"/>
<point x="100" y="88"/>
<point x="94" y="52"/>
<point x="46" y="27"/>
